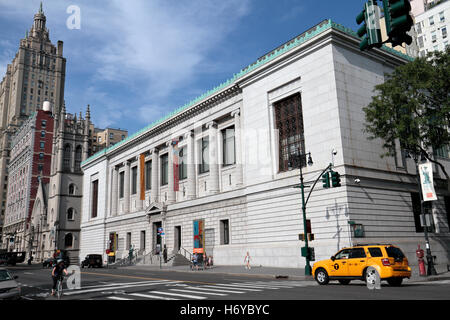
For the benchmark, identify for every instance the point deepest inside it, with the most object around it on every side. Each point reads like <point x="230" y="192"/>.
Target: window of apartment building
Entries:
<point x="442" y="152"/>
<point x="42" y="145"/>
<point x="441" y="16"/>
<point x="42" y="134"/>
<point x="420" y="42"/>
<point x="111" y="135"/>
<point x="416" y="207"/>
<point x="431" y="20"/>
<point x="182" y="163"/>
<point x="289" y="123"/>
<point x="433" y="36"/>
<point x="134" y="180"/>
<point x="43" y="123"/>
<point x="444" y="32"/>
<point x="225" y="231"/>
<point x="228" y="146"/>
<point x="121" y="184"/>
<point x="164" y="169"/>
<point x="94" y="206"/>
<point x="41" y="156"/>
<point x="204" y="155"/>
<point x="418" y="28"/>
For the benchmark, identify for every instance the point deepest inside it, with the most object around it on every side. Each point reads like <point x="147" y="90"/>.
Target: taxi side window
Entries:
<point x="343" y="254"/>
<point x="375" y="252"/>
<point x="357" y="253"/>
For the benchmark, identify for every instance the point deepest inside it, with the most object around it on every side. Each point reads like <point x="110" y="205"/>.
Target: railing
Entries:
<point x="185" y="253"/>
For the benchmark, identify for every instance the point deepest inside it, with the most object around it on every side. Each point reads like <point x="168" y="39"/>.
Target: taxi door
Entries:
<point x="339" y="267"/>
<point x="357" y="262"/>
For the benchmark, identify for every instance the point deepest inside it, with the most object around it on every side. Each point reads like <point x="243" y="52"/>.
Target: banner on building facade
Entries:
<point x="142" y="176"/>
<point x="199" y="236"/>
<point x="176" y="178"/>
<point x="426" y="181"/>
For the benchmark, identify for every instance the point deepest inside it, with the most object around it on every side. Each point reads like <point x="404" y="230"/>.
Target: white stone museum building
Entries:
<point x="217" y="173"/>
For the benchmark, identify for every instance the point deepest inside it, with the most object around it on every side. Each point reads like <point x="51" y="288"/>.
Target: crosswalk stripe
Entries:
<point x="124" y="284"/>
<point x="199" y="292"/>
<point x="218" y="290"/>
<point x="118" y="298"/>
<point x="179" y="295"/>
<point x="151" y="296"/>
<point x="227" y="287"/>
<point x="259" y="286"/>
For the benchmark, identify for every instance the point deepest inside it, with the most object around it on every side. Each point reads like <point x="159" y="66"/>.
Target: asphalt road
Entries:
<point x="129" y="284"/>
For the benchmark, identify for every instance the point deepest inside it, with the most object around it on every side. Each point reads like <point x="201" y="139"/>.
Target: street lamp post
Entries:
<point x="430" y="265"/>
<point x="301" y="158"/>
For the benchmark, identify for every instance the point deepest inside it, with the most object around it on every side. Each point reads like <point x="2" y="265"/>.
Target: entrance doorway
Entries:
<point x="157" y="240"/>
<point x="177" y="239"/>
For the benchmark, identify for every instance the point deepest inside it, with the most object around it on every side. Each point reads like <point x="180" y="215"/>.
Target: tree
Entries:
<point x="412" y="106"/>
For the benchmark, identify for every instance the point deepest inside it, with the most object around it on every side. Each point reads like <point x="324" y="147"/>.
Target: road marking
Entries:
<point x="198" y="292"/>
<point x="227" y="287"/>
<point x="179" y="295"/>
<point x="151" y="296"/>
<point x="258" y="286"/>
<point x="218" y="290"/>
<point x="112" y="288"/>
<point x="118" y="298"/>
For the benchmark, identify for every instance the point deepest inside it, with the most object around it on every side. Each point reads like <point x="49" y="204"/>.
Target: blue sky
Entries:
<point x="135" y="61"/>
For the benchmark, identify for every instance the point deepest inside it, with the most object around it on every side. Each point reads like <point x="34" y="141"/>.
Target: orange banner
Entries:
<point x="142" y="176"/>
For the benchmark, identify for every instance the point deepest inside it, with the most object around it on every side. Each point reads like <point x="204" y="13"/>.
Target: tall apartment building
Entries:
<point x="105" y="138"/>
<point x="432" y="28"/>
<point x="30" y="157"/>
<point x="36" y="74"/>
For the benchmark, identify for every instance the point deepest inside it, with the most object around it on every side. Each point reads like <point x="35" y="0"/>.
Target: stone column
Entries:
<point x="155" y="171"/>
<point x="171" y="197"/>
<point x="139" y="202"/>
<point x="127" y="184"/>
<point x="238" y="148"/>
<point x="191" y="178"/>
<point x="213" y="184"/>
<point x="114" y="195"/>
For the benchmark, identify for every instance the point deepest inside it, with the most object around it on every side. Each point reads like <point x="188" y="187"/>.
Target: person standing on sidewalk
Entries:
<point x="247" y="261"/>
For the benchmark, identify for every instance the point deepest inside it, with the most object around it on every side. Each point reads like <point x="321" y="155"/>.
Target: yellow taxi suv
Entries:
<point x="352" y="264"/>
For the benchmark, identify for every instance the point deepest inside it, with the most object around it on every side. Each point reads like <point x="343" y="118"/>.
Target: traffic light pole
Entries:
<point x="308" y="269"/>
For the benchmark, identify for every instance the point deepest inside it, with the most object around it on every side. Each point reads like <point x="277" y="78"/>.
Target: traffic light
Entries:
<point x="370" y="17"/>
<point x="326" y="180"/>
<point x="398" y="21"/>
<point x="335" y="179"/>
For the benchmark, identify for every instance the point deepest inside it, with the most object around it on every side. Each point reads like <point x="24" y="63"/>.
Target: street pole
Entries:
<point x="430" y="265"/>
<point x="308" y="270"/>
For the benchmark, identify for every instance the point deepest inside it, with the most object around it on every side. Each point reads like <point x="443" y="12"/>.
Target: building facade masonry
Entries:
<point x="217" y="173"/>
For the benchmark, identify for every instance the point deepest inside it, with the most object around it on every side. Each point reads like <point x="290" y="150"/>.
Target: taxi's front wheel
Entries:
<point x="322" y="276"/>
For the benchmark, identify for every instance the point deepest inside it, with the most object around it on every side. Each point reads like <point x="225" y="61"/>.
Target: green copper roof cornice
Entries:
<point x="288" y="46"/>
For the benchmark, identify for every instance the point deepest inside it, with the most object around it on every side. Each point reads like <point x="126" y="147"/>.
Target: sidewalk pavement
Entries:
<point x="278" y="273"/>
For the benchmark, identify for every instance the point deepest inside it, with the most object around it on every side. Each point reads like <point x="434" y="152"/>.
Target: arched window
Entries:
<point x="66" y="157"/>
<point x="68" y="240"/>
<point x="72" y="189"/>
<point x="70" y="214"/>
<point x="78" y="154"/>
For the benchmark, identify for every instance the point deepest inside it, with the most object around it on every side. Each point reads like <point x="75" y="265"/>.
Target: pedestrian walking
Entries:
<point x="165" y="254"/>
<point x="247" y="261"/>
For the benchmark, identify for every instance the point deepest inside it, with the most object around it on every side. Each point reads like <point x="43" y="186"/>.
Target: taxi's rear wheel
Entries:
<point x="322" y="276"/>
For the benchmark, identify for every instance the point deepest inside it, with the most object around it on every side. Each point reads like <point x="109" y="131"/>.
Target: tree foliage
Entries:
<point x="413" y="106"/>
